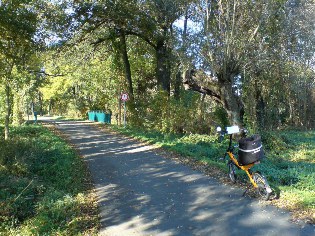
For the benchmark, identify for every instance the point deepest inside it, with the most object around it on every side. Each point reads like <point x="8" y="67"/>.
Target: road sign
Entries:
<point x="124" y="97"/>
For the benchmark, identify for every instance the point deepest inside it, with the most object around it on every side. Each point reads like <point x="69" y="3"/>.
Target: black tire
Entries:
<point x="232" y="173"/>
<point x="264" y="189"/>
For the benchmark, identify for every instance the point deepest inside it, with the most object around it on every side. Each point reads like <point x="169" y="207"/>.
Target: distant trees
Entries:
<point x="275" y="74"/>
<point x="245" y="56"/>
<point x="252" y="62"/>
<point x="250" y="53"/>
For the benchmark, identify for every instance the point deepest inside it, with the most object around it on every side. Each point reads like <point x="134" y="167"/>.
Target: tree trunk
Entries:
<point x="124" y="53"/>
<point x="184" y="64"/>
<point x="231" y="103"/>
<point x="50" y="106"/>
<point x="8" y="112"/>
<point x="178" y="82"/>
<point x="40" y="99"/>
<point x="260" y="110"/>
<point x="123" y="49"/>
<point x="230" y="100"/>
<point x="163" y="67"/>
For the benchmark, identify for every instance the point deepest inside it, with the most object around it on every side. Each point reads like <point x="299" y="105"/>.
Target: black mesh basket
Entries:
<point x="250" y="150"/>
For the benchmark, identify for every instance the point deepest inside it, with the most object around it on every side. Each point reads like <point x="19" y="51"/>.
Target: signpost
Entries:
<point x="124" y="97"/>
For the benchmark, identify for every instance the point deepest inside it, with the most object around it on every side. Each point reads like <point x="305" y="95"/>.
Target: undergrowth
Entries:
<point x="44" y="188"/>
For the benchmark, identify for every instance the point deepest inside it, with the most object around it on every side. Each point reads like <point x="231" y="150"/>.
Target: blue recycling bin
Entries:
<point x="92" y="116"/>
<point x="108" y="118"/>
<point x="101" y="117"/>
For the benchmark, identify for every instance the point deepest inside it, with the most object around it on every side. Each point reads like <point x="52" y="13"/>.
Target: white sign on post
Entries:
<point x="124" y="97"/>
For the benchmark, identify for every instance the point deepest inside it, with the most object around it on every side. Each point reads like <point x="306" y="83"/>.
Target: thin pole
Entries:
<point x="125" y="114"/>
<point x="119" y="111"/>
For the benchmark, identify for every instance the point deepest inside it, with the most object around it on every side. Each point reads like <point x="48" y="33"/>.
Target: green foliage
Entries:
<point x="168" y="115"/>
<point x="43" y="186"/>
<point x="290" y="164"/>
<point x="221" y="116"/>
<point x="92" y="84"/>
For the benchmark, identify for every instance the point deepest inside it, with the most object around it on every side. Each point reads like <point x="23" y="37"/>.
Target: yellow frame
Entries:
<point x="244" y="168"/>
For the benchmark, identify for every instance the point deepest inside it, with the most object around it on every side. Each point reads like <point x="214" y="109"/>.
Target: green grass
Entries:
<point x="44" y="187"/>
<point x="289" y="166"/>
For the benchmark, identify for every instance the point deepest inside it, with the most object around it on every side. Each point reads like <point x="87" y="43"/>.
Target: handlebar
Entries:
<point x="231" y="130"/>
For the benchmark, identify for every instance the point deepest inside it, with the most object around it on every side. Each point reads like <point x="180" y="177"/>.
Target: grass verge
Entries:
<point x="44" y="186"/>
<point x="289" y="166"/>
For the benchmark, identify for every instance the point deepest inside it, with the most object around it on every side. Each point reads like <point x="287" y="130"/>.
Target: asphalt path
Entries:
<point x="142" y="193"/>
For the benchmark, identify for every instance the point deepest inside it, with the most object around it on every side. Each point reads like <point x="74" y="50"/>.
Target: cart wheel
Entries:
<point x="264" y="189"/>
<point x="232" y="173"/>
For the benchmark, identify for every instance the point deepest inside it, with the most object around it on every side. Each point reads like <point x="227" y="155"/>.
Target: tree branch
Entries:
<point x="142" y="37"/>
<point x="46" y="74"/>
<point x="101" y="40"/>
<point x="190" y="84"/>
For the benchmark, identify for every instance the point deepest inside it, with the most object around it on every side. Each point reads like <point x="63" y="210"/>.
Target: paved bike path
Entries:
<point x="142" y="193"/>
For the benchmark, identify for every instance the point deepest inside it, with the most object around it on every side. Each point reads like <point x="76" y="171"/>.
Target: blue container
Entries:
<point x="89" y="115"/>
<point x="92" y="116"/>
<point x="108" y="118"/>
<point x="96" y="116"/>
<point x="101" y="117"/>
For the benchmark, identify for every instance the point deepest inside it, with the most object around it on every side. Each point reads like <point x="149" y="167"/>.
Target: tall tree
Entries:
<point x="17" y="30"/>
<point x="230" y="32"/>
<point x="280" y="67"/>
<point x="152" y="21"/>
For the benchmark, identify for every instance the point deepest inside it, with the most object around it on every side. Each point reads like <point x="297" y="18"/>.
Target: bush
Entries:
<point x="167" y="115"/>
